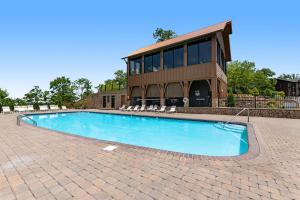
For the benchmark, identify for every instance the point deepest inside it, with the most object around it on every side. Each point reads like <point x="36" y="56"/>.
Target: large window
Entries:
<point x="135" y="66"/>
<point x="173" y="58"/>
<point x="152" y="62"/>
<point x="220" y="58"/>
<point x="199" y="52"/>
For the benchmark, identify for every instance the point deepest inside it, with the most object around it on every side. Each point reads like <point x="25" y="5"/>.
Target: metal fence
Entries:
<point x="247" y="101"/>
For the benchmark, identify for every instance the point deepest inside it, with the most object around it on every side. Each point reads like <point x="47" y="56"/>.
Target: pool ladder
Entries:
<point x="235" y="116"/>
<point x="19" y="118"/>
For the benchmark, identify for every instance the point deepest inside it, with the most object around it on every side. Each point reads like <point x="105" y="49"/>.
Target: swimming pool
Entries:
<point x="184" y="136"/>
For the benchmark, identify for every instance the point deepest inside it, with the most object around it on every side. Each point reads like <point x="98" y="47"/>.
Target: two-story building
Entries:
<point x="189" y="70"/>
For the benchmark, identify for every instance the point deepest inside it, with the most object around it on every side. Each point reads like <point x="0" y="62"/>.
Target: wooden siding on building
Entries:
<point x="195" y="72"/>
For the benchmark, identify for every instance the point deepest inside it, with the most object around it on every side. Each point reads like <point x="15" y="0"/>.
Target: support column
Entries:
<point x="214" y="92"/>
<point x="162" y="94"/>
<point x="143" y="89"/>
<point x="185" y="56"/>
<point x="186" y="93"/>
<point x="128" y="97"/>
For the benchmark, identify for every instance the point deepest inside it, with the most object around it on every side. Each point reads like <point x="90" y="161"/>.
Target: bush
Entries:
<point x="253" y="92"/>
<point x="281" y="94"/>
<point x="230" y="99"/>
<point x="271" y="104"/>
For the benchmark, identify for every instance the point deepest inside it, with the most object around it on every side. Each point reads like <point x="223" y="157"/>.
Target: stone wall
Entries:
<point x="258" y="112"/>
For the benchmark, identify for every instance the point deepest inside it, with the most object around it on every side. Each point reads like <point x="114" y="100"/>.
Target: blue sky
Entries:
<point x="40" y="40"/>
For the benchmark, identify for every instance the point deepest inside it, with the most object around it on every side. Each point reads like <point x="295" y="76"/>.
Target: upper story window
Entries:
<point x="135" y="66"/>
<point x="199" y="52"/>
<point x="174" y="58"/>
<point x="221" y="58"/>
<point x="151" y="62"/>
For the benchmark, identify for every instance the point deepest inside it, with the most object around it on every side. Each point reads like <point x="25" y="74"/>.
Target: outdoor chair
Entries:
<point x="44" y="108"/>
<point x="6" y="109"/>
<point x="129" y="108"/>
<point x="136" y="108"/>
<point x="162" y="109"/>
<point x="30" y="108"/>
<point x="172" y="109"/>
<point x="150" y="108"/>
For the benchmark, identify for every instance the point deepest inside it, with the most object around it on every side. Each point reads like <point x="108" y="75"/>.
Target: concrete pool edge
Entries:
<point x="253" y="145"/>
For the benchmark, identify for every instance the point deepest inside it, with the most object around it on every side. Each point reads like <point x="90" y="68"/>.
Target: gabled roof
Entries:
<point x="223" y="26"/>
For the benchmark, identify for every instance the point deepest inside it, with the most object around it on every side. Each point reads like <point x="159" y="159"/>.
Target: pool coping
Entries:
<point x="253" y="145"/>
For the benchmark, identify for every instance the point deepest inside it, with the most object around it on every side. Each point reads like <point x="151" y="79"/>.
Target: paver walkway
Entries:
<point x="40" y="164"/>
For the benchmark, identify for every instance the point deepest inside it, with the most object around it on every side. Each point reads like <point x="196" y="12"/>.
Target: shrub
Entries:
<point x="230" y="99"/>
<point x="281" y="94"/>
<point x="253" y="92"/>
<point x="271" y="104"/>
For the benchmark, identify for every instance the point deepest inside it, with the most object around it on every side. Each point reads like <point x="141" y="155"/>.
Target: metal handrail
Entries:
<point x="21" y="116"/>
<point x="229" y="121"/>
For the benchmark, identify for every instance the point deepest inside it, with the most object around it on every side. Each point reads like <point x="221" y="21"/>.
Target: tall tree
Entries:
<point x="3" y="96"/>
<point x="289" y="76"/>
<point x="63" y="91"/>
<point x="84" y="87"/>
<point x="121" y="78"/>
<point x="34" y="96"/>
<point x="46" y="97"/>
<point x="162" y="35"/>
<point x="244" y="78"/>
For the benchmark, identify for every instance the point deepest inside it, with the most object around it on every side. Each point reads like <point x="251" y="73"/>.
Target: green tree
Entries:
<point x="289" y="76"/>
<point x="34" y="97"/>
<point x="162" y="35"/>
<point x="46" y="97"/>
<point x="63" y="91"/>
<point x="121" y="78"/>
<point x="99" y="87"/>
<point x="230" y="99"/>
<point x="20" y="102"/>
<point x="253" y="92"/>
<point x="240" y="76"/>
<point x="84" y="87"/>
<point x="3" y="95"/>
<point x="244" y="77"/>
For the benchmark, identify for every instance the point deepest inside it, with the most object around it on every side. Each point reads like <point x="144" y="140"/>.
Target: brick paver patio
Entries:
<point x="40" y="164"/>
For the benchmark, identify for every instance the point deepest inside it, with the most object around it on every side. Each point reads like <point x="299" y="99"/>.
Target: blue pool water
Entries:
<point x="185" y="136"/>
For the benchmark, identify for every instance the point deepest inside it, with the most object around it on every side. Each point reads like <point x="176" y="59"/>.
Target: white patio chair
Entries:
<point x="54" y="107"/>
<point x="44" y="108"/>
<point x="136" y="108"/>
<point x="143" y="108"/>
<point x="129" y="108"/>
<point x="122" y="108"/>
<point x="6" y="109"/>
<point x="155" y="107"/>
<point x="172" y="110"/>
<point x="30" y="108"/>
<point x="150" y="108"/>
<point x="162" y="109"/>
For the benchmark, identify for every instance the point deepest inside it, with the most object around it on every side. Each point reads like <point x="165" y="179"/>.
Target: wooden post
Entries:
<point x="162" y="94"/>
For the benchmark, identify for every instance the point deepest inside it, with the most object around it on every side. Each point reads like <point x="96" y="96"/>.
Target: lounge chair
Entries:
<point x="143" y="108"/>
<point x="122" y="108"/>
<point x="136" y="108"/>
<point x="44" y="108"/>
<point x="162" y="109"/>
<point x="129" y="108"/>
<point x="6" y="109"/>
<point x="30" y="108"/>
<point x="64" y="108"/>
<point x="150" y="108"/>
<point x="20" y="108"/>
<point x="155" y="107"/>
<point x="54" y="107"/>
<point x="172" y="110"/>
